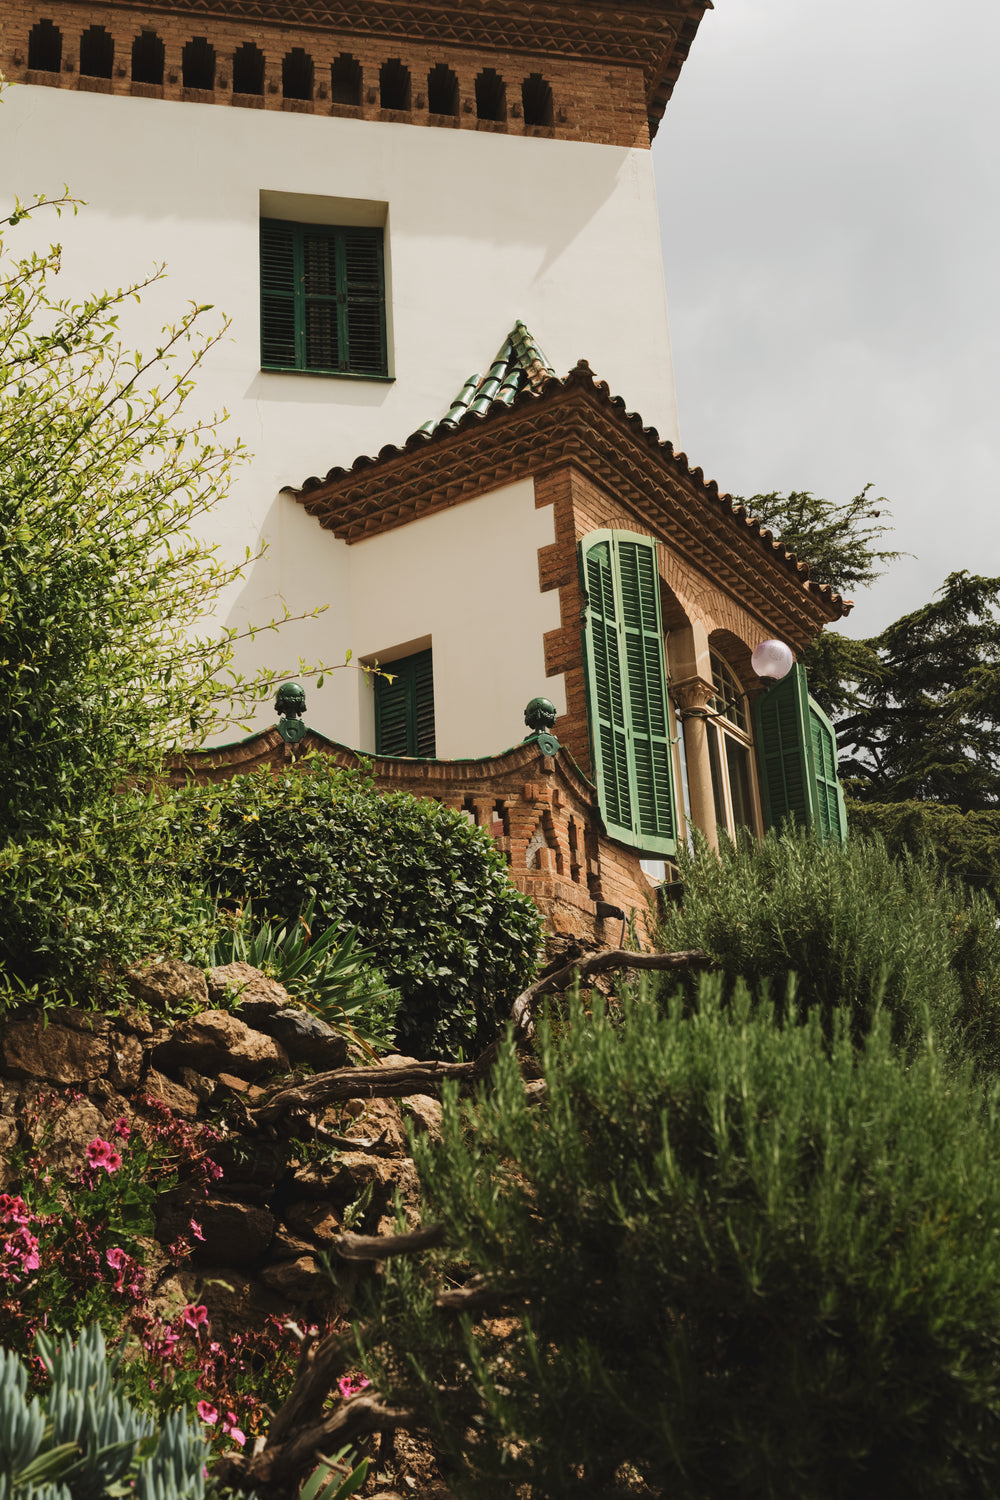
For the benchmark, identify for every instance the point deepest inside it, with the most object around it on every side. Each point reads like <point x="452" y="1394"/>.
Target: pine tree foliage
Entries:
<point x="721" y="1258"/>
<point x="929" y="728"/>
<point x="842" y="543"/>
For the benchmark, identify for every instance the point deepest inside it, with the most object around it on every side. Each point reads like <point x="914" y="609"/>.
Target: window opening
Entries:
<point x="394" y="85"/>
<point x="345" y="80"/>
<point x="97" y="53"/>
<point x="297" y="75"/>
<point x="198" y="64"/>
<point x="404" y="707"/>
<point x="147" y="58"/>
<point x="322" y="298"/>
<point x="248" y="69"/>
<point x="729" y="750"/>
<point x="491" y="96"/>
<point x="45" y="47"/>
<point x="442" y="91"/>
<point x="536" y="100"/>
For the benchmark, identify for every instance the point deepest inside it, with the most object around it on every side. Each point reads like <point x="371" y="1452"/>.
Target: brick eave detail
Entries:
<point x="575" y="422"/>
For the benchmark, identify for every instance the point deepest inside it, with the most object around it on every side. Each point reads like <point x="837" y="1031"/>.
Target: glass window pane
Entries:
<point x="730" y="699"/>
<point x="718" y="793"/>
<point x="738" y="763"/>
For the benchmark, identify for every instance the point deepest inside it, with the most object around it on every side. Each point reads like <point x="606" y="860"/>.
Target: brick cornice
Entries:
<point x="576" y="423"/>
<point x="650" y="34"/>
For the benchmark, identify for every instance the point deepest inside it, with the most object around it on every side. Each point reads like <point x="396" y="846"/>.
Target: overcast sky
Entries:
<point x="827" y="172"/>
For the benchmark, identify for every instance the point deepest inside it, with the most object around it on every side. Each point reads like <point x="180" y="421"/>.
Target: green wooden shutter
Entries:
<point x="364" y="301"/>
<point x="321" y="295"/>
<point x="404" y="707"/>
<point x="831" y="811"/>
<point x="626" y="679"/>
<point x="608" y="731"/>
<point x="647" y="690"/>
<point x="278" y="347"/>
<point x="797" y="759"/>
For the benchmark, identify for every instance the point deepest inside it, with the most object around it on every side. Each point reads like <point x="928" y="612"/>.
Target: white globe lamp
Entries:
<point x="772" y="659"/>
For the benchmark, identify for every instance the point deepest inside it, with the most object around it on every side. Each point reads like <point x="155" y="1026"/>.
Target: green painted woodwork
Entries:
<point x="626" y="690"/>
<point x="404" y="707"/>
<point x="797" y="759"/>
<point x="322" y="293"/>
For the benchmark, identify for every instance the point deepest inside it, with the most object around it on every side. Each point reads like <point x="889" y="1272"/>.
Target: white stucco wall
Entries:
<point x="467" y="578"/>
<point x="481" y="229"/>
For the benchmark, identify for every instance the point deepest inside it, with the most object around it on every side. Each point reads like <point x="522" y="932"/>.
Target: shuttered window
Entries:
<point x="322" y="293"/>
<point x="797" y="759"/>
<point x="404" y="707"/>
<point x="626" y="688"/>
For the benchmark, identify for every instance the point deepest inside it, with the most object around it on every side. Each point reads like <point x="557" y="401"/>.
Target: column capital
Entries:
<point x="693" y="695"/>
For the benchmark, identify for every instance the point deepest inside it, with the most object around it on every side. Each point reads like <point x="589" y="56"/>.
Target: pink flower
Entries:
<point x="194" y="1316"/>
<point x="208" y="1413"/>
<point x="121" y="1128"/>
<point x="348" y="1387"/>
<point x="115" y="1257"/>
<point x="230" y="1428"/>
<point x="196" y="1230"/>
<point x="13" y="1210"/>
<point x="101" y="1154"/>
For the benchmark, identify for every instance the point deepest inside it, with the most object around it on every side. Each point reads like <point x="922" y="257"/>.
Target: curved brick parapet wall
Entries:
<point x="540" y="810"/>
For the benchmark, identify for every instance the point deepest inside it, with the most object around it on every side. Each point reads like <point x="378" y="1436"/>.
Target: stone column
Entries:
<point x="693" y="696"/>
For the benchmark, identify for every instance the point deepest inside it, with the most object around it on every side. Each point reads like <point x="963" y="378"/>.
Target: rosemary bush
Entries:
<point x="725" y="1256"/>
<point x="853" y="929"/>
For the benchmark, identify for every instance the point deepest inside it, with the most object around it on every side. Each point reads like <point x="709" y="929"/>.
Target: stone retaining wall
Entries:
<point x="282" y="1198"/>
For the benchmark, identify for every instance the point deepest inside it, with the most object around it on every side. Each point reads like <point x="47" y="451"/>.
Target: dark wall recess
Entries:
<point x="248" y="70"/>
<point x="394" y="85"/>
<point x="147" y="58"/>
<point x="491" y="96"/>
<point x="45" y="47"/>
<point x="297" y="74"/>
<point x="536" y="97"/>
<point x="442" y="91"/>
<point x="198" y="64"/>
<point x="97" y="53"/>
<point x="345" y="80"/>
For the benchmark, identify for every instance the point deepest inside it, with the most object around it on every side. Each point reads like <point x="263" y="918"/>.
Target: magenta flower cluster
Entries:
<point x="19" y="1247"/>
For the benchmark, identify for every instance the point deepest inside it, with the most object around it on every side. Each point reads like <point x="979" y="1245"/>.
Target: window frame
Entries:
<point x="294" y="291"/>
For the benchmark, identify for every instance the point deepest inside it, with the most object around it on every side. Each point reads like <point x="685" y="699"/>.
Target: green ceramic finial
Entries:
<point x="540" y="717"/>
<point x="540" y="714"/>
<point x="290" y="704"/>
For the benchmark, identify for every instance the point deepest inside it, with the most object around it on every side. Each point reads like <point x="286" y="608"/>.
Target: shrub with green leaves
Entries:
<point x="104" y="583"/>
<point x="855" y="927"/>
<point x="427" y="893"/>
<point x="82" y="1438"/>
<point x="723" y="1256"/>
